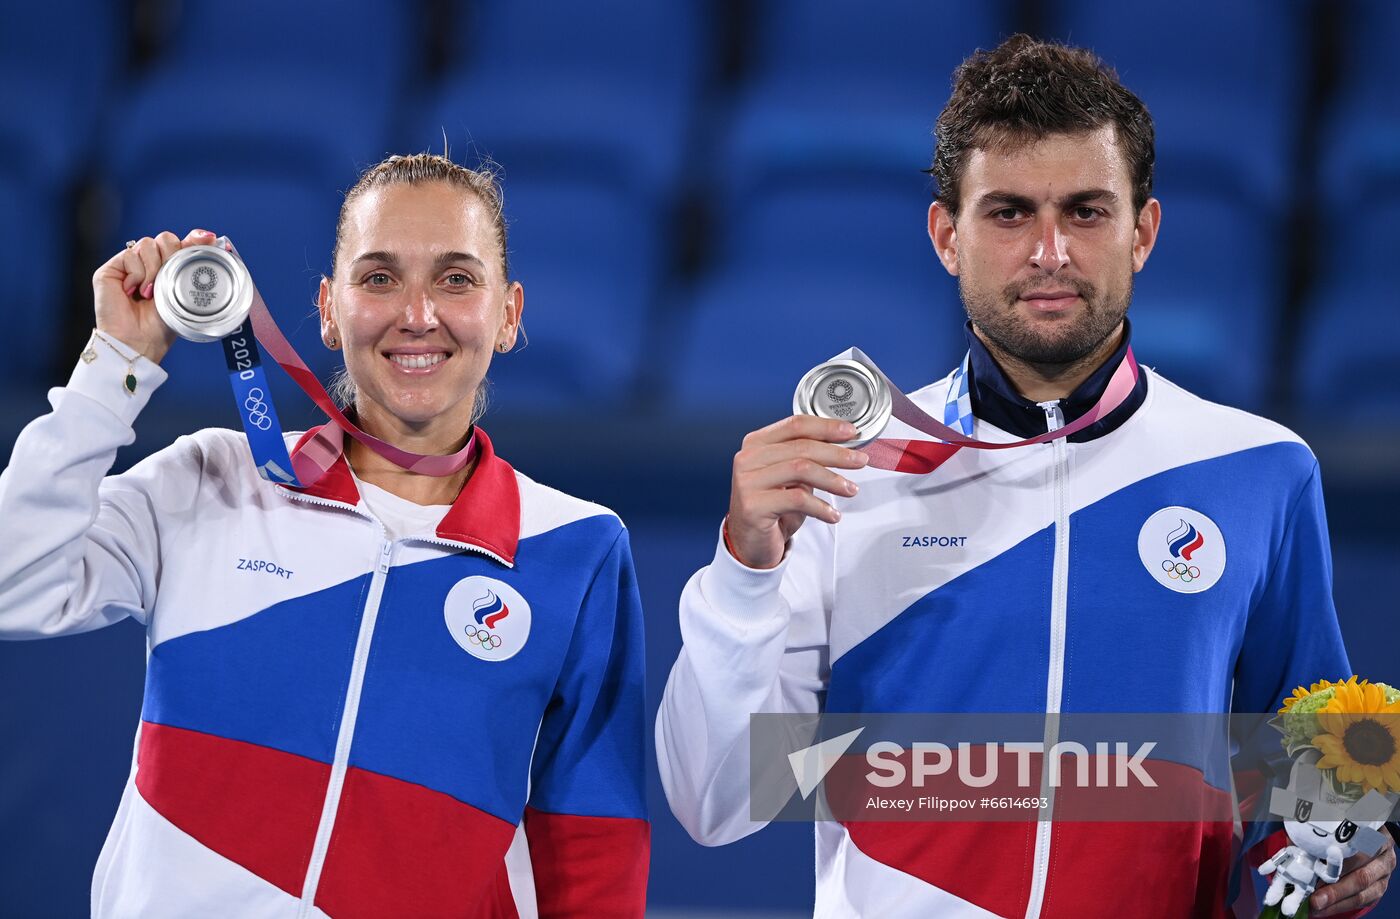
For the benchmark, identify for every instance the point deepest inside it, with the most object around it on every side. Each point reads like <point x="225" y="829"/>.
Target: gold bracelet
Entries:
<point x="89" y="355"/>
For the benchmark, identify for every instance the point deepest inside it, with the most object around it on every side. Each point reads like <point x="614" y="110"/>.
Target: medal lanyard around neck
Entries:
<point x="857" y="390"/>
<point x="922" y="456"/>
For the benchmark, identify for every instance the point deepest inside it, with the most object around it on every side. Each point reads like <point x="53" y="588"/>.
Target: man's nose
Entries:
<point x="1051" y="251"/>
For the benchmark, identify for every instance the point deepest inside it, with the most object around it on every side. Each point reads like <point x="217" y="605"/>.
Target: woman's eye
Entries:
<point x="458" y="279"/>
<point x="377" y="279"/>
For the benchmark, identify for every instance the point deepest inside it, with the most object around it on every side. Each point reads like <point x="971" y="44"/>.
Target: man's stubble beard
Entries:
<point x="997" y="320"/>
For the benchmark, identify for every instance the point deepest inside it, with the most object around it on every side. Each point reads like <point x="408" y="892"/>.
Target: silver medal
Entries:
<point x="203" y="292"/>
<point x="845" y="390"/>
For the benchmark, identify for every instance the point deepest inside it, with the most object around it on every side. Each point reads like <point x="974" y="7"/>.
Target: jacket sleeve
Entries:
<point x="80" y="549"/>
<point x="1291" y="639"/>
<point x="586" y="822"/>
<point x="753" y="641"/>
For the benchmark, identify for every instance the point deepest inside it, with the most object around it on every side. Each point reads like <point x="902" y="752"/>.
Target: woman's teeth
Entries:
<point x="417" y="361"/>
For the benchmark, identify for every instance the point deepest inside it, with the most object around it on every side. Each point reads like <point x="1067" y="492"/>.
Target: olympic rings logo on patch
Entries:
<point x="839" y="390"/>
<point x="487" y="618"/>
<point x="1182" y="549"/>
<point x="483" y="637"/>
<point x="204" y="278"/>
<point x="1180" y="570"/>
<point x="257" y="409"/>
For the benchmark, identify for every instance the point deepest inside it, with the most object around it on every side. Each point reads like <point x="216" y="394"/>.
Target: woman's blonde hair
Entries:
<point x="422" y="168"/>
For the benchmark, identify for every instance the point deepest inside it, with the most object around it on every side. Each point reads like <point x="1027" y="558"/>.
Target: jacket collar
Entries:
<point x="996" y="401"/>
<point x="486" y="514"/>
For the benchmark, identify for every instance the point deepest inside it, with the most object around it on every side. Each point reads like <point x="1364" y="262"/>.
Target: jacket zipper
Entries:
<point x="347" y="729"/>
<point x="1054" y="683"/>
<point x="351" y="708"/>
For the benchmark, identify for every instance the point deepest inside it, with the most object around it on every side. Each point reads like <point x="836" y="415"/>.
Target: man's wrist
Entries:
<point x="734" y="553"/>
<point x="729" y="543"/>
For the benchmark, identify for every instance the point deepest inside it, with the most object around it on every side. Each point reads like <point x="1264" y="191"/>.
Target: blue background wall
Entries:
<point x="705" y="199"/>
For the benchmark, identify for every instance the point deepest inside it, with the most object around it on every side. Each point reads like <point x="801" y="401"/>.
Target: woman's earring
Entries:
<point x="502" y="347"/>
<point x="330" y="342"/>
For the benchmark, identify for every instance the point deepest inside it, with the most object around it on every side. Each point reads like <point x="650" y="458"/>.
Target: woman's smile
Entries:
<point x="417" y="362"/>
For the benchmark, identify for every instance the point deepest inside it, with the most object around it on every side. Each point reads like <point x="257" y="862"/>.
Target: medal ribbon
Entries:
<point x="923" y="456"/>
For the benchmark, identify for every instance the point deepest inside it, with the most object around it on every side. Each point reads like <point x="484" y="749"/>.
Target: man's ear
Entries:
<point x="1149" y="221"/>
<point x="944" y="236"/>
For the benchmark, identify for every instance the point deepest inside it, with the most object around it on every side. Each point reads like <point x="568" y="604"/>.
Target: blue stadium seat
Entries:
<point x="1223" y="81"/>
<point x="57" y="62"/>
<point x="1360" y="137"/>
<point x="1350" y="359"/>
<point x="1350" y="367"/>
<point x="35" y="239"/>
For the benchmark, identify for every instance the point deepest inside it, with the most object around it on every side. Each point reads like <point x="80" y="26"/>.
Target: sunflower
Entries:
<point x="1360" y="735"/>
<point x="1298" y="717"/>
<point x="1300" y="693"/>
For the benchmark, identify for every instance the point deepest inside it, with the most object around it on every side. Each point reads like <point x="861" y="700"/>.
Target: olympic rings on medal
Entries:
<point x="483" y="637"/>
<point x="257" y="410"/>
<point x="1175" y="570"/>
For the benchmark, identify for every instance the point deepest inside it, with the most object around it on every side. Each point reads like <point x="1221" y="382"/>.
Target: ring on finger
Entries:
<point x="131" y="244"/>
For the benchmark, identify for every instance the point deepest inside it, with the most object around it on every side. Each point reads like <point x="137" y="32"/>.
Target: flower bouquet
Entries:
<point x="1344" y="739"/>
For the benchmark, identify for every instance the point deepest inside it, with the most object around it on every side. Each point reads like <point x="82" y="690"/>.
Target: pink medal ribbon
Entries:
<point x="852" y="388"/>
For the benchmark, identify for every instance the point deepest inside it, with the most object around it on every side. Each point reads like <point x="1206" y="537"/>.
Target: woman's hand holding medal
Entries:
<point x="122" y="292"/>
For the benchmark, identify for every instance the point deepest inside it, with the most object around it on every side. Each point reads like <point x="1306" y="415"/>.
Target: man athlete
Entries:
<point x="1056" y="591"/>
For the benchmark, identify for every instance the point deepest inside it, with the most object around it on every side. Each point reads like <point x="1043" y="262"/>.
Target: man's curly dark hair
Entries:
<point x="1026" y="89"/>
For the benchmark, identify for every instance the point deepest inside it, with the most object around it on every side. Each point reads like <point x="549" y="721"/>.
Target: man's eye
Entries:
<point x="1007" y="213"/>
<point x="1084" y="212"/>
<point x="377" y="279"/>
